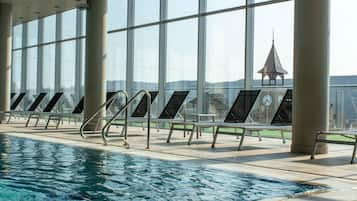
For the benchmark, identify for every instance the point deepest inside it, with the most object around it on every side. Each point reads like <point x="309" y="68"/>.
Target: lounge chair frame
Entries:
<point x="351" y="134"/>
<point x="46" y="111"/>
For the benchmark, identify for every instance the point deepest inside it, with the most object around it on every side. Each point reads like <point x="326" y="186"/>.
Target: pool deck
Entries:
<point x="268" y="157"/>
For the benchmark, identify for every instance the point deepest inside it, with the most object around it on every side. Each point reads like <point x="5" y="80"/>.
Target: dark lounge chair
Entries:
<point x="281" y="121"/>
<point x="77" y="111"/>
<point x="14" y="105"/>
<point x="237" y="115"/>
<point x="12" y="95"/>
<point x="173" y="105"/>
<point x="32" y="107"/>
<point x="170" y="110"/>
<point x="348" y="134"/>
<point x="47" y="110"/>
<point x="17" y="101"/>
<point x="140" y="110"/>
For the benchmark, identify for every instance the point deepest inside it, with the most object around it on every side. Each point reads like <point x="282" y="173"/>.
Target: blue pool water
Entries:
<point x="35" y="170"/>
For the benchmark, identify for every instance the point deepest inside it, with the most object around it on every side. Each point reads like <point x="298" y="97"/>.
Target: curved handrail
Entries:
<point x="105" y="129"/>
<point x="86" y="122"/>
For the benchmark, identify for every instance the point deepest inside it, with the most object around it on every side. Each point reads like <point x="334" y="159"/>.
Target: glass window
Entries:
<point x="182" y="44"/>
<point x="31" y="74"/>
<point x="180" y="8"/>
<point x="84" y="23"/>
<point x="147" y="11"/>
<point x="269" y="23"/>
<point x="343" y="41"/>
<point x="181" y="72"/>
<point x="49" y="28"/>
<point x="219" y="4"/>
<point x="258" y="1"/>
<point x="83" y="62"/>
<point x="146" y="58"/>
<point x="117" y="14"/>
<point x="48" y="68"/>
<point x="17" y="36"/>
<point x="224" y="60"/>
<point x="116" y="66"/>
<point x="343" y="73"/>
<point x="16" y="71"/>
<point x="32" y="33"/>
<point x="69" y="24"/>
<point x="68" y="65"/>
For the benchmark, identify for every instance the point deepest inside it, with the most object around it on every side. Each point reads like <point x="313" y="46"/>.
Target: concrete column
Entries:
<point x="95" y="81"/>
<point x="311" y="73"/>
<point x="5" y="56"/>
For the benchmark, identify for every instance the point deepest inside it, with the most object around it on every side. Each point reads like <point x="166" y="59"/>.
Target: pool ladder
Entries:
<point x="106" y="104"/>
<point x="105" y="130"/>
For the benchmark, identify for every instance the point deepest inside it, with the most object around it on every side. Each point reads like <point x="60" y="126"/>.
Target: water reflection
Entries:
<point x="42" y="171"/>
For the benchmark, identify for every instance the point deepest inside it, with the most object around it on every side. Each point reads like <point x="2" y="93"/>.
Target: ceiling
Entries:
<point x="27" y="10"/>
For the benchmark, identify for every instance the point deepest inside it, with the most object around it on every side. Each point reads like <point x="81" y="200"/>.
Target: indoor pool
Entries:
<point x="36" y="170"/>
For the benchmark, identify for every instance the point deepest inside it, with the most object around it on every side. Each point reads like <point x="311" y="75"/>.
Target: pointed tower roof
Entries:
<point x="272" y="64"/>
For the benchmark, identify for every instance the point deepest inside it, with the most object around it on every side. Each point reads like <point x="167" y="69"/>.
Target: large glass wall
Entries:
<point x="186" y="45"/>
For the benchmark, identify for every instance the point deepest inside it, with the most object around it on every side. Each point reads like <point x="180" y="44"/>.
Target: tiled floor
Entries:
<point x="269" y="157"/>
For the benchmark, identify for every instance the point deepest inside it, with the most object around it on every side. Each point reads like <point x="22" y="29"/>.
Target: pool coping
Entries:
<point x="210" y="163"/>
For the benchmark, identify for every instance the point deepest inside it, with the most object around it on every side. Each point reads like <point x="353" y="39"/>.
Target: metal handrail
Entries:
<point x="105" y="129"/>
<point x="111" y="99"/>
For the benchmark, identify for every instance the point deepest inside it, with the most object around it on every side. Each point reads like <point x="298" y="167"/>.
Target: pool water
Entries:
<point x="36" y="170"/>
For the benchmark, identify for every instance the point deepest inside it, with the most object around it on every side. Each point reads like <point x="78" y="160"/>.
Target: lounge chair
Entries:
<point x="14" y="105"/>
<point x="46" y="111"/>
<point x="12" y="95"/>
<point x="170" y="110"/>
<point x="280" y="122"/>
<point x="77" y="111"/>
<point x="168" y="113"/>
<point x="172" y="107"/>
<point x="237" y="115"/>
<point x="141" y="109"/>
<point x="139" y="113"/>
<point x="32" y="107"/>
<point x="282" y="119"/>
<point x="348" y="134"/>
<point x="17" y="101"/>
